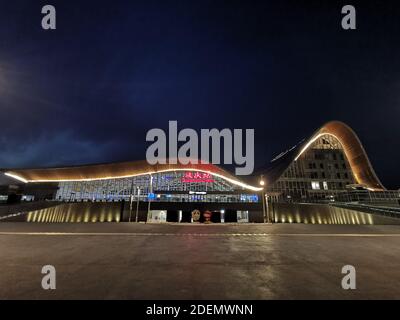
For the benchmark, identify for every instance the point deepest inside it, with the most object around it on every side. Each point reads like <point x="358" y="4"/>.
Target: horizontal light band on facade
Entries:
<point x="235" y="182"/>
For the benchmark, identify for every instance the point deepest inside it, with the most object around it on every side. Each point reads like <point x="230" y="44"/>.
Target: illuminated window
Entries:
<point x="325" y="185"/>
<point x="315" y="185"/>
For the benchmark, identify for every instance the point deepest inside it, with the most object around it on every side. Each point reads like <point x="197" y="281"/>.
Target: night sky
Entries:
<point x="89" y="91"/>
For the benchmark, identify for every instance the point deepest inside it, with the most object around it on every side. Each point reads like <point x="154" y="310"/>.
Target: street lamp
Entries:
<point x="262" y="183"/>
<point x="149" y="200"/>
<point x="130" y="201"/>
<point x="137" y="204"/>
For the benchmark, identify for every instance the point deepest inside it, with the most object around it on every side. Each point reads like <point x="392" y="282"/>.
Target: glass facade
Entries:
<point x="175" y="186"/>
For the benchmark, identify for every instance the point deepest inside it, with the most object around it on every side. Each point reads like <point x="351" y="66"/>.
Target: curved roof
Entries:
<point x="360" y="164"/>
<point x="117" y="170"/>
<point x="353" y="149"/>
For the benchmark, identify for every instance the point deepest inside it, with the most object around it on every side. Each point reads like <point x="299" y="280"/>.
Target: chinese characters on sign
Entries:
<point x="197" y="177"/>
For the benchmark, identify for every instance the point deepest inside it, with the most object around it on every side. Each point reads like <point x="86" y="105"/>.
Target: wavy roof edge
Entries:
<point x="355" y="153"/>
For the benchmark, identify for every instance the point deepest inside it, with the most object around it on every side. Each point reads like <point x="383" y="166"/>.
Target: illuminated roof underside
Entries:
<point x="358" y="160"/>
<point x="116" y="171"/>
<point x="354" y="151"/>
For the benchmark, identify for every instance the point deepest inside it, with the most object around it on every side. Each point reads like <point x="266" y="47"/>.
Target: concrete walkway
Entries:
<point x="181" y="261"/>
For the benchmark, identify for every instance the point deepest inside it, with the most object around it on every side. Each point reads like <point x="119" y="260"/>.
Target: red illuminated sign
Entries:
<point x="197" y="177"/>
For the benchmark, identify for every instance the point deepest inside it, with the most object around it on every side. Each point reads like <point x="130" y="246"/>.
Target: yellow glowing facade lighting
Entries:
<point x="15" y="176"/>
<point x="316" y="137"/>
<point x="309" y="143"/>
<point x="355" y="153"/>
<point x="233" y="181"/>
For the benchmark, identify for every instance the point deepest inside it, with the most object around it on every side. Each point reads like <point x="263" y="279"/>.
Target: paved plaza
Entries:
<point x="183" y="261"/>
